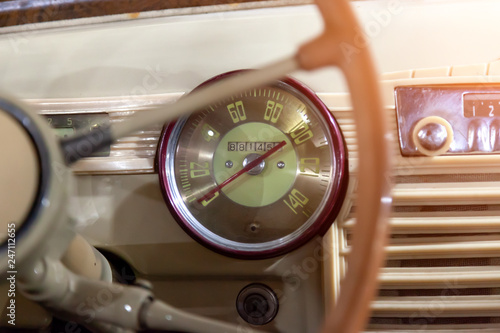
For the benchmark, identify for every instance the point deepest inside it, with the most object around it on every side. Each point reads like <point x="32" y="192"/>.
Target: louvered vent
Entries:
<point x="442" y="273"/>
<point x="443" y="269"/>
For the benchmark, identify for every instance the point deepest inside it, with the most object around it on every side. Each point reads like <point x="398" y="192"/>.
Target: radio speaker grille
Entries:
<point x="443" y="257"/>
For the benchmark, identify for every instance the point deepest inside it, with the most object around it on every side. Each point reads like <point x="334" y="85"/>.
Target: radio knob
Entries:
<point x="432" y="136"/>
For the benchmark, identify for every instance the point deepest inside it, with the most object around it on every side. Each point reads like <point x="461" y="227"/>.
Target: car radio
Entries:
<point x="448" y="119"/>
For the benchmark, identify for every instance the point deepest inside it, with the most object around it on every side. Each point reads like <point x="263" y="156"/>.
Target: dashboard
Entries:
<point x="440" y="84"/>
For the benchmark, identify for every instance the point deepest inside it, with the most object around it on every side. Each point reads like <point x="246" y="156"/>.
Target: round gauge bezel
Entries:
<point x="323" y="219"/>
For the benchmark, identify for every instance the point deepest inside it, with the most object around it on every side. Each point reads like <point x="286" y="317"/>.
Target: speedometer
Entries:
<point x="257" y="174"/>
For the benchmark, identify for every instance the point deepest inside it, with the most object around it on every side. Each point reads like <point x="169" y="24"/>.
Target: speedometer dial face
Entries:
<point x="256" y="175"/>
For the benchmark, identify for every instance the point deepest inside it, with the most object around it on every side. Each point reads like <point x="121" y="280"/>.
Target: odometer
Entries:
<point x="255" y="175"/>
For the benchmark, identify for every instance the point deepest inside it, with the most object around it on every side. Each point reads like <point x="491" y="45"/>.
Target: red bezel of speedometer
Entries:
<point x="256" y="175"/>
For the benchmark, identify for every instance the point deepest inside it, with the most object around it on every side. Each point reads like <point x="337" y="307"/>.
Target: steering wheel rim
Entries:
<point x="342" y="45"/>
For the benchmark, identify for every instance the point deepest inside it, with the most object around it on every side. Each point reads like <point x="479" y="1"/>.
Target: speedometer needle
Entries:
<point x="248" y="167"/>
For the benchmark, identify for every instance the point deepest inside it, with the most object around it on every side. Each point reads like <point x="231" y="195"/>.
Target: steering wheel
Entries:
<point x="46" y="236"/>
<point x="341" y="45"/>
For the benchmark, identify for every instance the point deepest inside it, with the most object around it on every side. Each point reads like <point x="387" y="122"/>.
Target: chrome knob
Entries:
<point x="432" y="136"/>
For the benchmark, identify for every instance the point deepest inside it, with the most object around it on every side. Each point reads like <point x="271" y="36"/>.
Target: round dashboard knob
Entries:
<point x="432" y="136"/>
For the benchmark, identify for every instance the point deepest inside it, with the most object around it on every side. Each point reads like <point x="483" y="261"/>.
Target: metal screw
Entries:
<point x="254" y="227"/>
<point x="229" y="164"/>
<point x="281" y="164"/>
